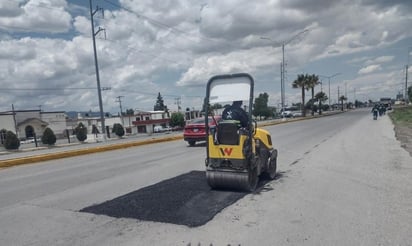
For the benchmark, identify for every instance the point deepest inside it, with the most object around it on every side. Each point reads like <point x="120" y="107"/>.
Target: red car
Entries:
<point x="195" y="130"/>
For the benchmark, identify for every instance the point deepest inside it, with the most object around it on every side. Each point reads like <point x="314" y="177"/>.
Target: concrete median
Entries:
<point x="85" y="151"/>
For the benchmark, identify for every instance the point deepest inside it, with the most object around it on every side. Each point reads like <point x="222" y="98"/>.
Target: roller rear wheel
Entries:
<point x="272" y="165"/>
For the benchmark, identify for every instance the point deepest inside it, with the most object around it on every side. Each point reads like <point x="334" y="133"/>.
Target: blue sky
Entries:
<point x="174" y="47"/>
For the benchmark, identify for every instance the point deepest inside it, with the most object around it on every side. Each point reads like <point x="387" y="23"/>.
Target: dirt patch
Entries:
<point x="404" y="135"/>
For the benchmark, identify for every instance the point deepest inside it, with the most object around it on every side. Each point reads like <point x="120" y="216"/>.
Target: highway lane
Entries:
<point x="342" y="179"/>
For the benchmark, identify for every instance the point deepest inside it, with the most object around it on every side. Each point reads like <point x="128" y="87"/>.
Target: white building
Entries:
<point x="30" y="123"/>
<point x="146" y="121"/>
<point x="7" y="122"/>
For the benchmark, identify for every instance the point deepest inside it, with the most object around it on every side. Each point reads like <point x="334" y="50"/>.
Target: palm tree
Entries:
<point x="312" y="81"/>
<point x="301" y="82"/>
<point x="321" y="97"/>
<point x="341" y="99"/>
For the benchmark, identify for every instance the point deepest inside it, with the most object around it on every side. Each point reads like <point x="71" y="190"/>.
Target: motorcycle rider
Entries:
<point x="375" y="111"/>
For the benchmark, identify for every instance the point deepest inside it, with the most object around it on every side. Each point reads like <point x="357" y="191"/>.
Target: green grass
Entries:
<point x="402" y="115"/>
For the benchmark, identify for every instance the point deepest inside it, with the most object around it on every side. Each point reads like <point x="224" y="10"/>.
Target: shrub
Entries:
<point x="118" y="130"/>
<point x="3" y="135"/>
<point x="177" y="119"/>
<point x="11" y="142"/>
<point x="95" y="131"/>
<point x="81" y="132"/>
<point x="48" y="137"/>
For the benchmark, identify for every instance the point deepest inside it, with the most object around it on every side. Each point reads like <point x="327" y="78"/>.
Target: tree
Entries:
<point x="118" y="130"/>
<point x="129" y="112"/>
<point x="160" y="106"/>
<point x="301" y="82"/>
<point x="177" y="119"/>
<point x="321" y="97"/>
<point x="81" y="132"/>
<point x="261" y="106"/>
<point x="216" y="106"/>
<point x="312" y="81"/>
<point x="3" y="133"/>
<point x="95" y="130"/>
<point x="310" y="105"/>
<point x="410" y="93"/>
<point x="48" y="137"/>
<point x="11" y="142"/>
<point x="341" y="99"/>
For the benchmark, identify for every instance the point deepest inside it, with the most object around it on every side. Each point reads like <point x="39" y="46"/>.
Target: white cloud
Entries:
<point x="36" y="16"/>
<point x="369" y="69"/>
<point x="381" y="59"/>
<point x="174" y="47"/>
<point x="10" y="9"/>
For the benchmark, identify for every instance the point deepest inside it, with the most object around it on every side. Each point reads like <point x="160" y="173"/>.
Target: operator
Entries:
<point x="235" y="112"/>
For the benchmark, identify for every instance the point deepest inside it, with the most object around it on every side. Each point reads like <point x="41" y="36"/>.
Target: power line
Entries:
<point x="166" y="26"/>
<point x="47" y="89"/>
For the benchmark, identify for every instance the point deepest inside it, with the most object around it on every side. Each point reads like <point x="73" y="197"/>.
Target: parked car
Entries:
<point x="286" y="114"/>
<point x="158" y="129"/>
<point x="195" y="130"/>
<point x="27" y="140"/>
<point x="296" y="114"/>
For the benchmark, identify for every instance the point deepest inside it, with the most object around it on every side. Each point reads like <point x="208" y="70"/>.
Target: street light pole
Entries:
<point x="406" y="77"/>
<point x="329" y="77"/>
<point x="282" y="79"/>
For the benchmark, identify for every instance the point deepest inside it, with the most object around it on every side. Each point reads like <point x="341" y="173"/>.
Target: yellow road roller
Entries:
<point x="238" y="152"/>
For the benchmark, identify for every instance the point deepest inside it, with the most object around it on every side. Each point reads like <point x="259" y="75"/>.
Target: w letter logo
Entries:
<point x="226" y="151"/>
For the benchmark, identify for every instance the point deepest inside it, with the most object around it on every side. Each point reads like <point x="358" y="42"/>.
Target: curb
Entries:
<point x="71" y="153"/>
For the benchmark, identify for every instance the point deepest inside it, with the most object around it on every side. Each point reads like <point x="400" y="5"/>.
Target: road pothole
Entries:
<point x="184" y="200"/>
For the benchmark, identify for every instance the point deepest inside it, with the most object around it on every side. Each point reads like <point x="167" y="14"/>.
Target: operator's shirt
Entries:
<point x="236" y="113"/>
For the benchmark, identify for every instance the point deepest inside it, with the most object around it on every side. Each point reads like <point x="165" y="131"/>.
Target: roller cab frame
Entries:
<point x="236" y="156"/>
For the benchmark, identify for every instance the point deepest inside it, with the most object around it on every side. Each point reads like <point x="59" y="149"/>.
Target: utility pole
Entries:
<point x="119" y="100"/>
<point x="346" y="90"/>
<point x="178" y="102"/>
<point x="282" y="79"/>
<point x="99" y="92"/>
<point x="14" y="120"/>
<point x="354" y="96"/>
<point x="329" y="77"/>
<point x="338" y="94"/>
<point x="406" y="77"/>
<point x="406" y="83"/>
<point x="283" y="65"/>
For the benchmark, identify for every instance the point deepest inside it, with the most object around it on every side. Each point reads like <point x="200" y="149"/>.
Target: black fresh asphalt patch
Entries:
<point x="184" y="200"/>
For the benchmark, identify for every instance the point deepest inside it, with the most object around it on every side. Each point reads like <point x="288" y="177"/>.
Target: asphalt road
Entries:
<point x="343" y="180"/>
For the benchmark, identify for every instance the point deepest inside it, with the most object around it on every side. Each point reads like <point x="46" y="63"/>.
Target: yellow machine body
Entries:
<point x="237" y="154"/>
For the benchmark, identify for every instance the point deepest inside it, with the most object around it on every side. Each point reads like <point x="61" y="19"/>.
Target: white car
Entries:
<point x="297" y="114"/>
<point x="27" y="141"/>
<point x="286" y="114"/>
<point x="162" y="129"/>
